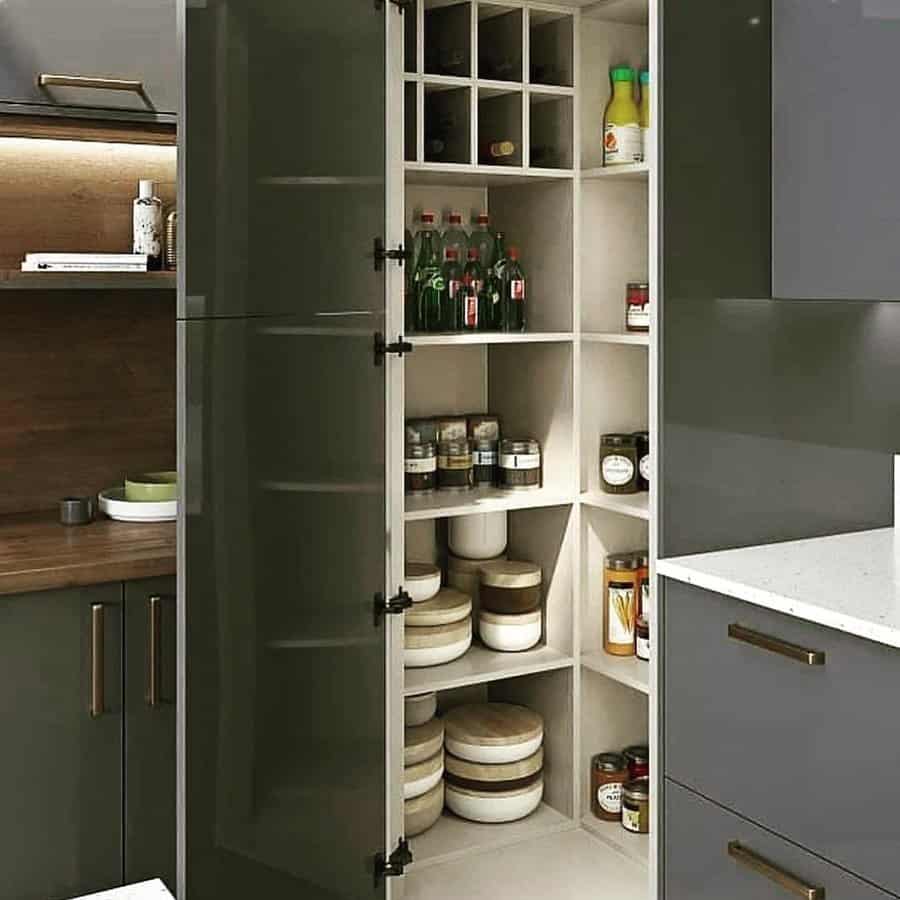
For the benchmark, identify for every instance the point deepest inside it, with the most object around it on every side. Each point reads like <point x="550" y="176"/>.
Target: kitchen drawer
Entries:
<point x="699" y="864"/>
<point x="810" y="751"/>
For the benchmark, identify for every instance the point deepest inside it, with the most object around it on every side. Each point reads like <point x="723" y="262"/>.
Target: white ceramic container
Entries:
<point x="492" y="733"/>
<point x="494" y="807"/>
<point x="436" y="646"/>
<point x="510" y="634"/>
<point x="479" y="536"/>
<point x="422" y="582"/>
<point x="419" y="709"/>
<point x="421" y="778"/>
<point x="420" y="814"/>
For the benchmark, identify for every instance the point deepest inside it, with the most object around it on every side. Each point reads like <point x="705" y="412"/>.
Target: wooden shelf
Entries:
<point x="634" y="172"/>
<point x="634" y="846"/>
<point x="15" y="280"/>
<point x="448" y="504"/>
<point x="637" y="505"/>
<point x="633" y="338"/>
<point x="627" y="670"/>
<point x="489" y="337"/>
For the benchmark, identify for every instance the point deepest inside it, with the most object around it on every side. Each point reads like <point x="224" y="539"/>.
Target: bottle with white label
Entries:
<point x="620" y="604"/>
<point x="148" y="225"/>
<point x="622" y="142"/>
<point x="618" y="464"/>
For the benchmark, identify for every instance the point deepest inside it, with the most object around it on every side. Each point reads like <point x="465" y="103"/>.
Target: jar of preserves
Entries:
<point x="484" y="461"/>
<point x="642" y="439"/>
<point x="642" y="639"/>
<point x="609" y="772"/>
<point x="520" y="464"/>
<point x="620" y="604"/>
<point x="636" y="806"/>
<point x="455" y="472"/>
<point x="637" y="306"/>
<point x="638" y="760"/>
<point x="421" y="468"/>
<point x="643" y="595"/>
<point x="618" y="464"/>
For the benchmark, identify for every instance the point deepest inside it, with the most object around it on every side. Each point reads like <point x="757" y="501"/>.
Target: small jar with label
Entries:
<point x="484" y="461"/>
<point x="609" y="773"/>
<point x="620" y="604"/>
<point x="642" y="639"/>
<point x="421" y="468"/>
<point x="638" y="760"/>
<point x="483" y="428"/>
<point x="637" y="306"/>
<point x="455" y="472"/>
<point x="636" y="806"/>
<point x="618" y="464"/>
<point x="642" y="439"/>
<point x="643" y="596"/>
<point x="520" y="465"/>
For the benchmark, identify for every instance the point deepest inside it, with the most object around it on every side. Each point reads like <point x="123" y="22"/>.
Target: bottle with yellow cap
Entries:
<point x="622" y="124"/>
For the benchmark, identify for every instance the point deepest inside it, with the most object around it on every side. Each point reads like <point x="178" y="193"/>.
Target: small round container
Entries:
<point x="521" y="465"/>
<point x="609" y="772"/>
<point x="505" y="777"/>
<point x="445" y="608"/>
<point x="420" y="709"/>
<point x="618" y="464"/>
<point x="481" y="536"/>
<point x="420" y="814"/>
<point x="484" y="463"/>
<point x="510" y="588"/>
<point x="642" y="439"/>
<point x="510" y="634"/>
<point x="637" y="306"/>
<point x="638" y="759"/>
<point x="493" y="733"/>
<point x="435" y="646"/>
<point x="465" y="575"/>
<point x="495" y="806"/>
<point x="152" y="487"/>
<point x="77" y="510"/>
<point x="423" y="581"/>
<point x="420" y="468"/>
<point x="642" y="639"/>
<point x="636" y="806"/>
<point x="421" y="742"/>
<point x="455" y="471"/>
<point x="423" y="777"/>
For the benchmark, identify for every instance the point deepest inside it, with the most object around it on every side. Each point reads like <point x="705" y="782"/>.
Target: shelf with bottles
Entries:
<point x="500" y="128"/>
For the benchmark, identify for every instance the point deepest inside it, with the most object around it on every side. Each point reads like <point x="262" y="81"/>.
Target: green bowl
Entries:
<point x="152" y="487"/>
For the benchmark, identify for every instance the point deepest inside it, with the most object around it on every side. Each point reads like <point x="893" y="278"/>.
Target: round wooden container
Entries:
<point x="505" y="777"/>
<point x="422" y="581"/>
<point x="510" y="634"/>
<point x="420" y="814"/>
<point x="465" y="575"/>
<point x="423" y="777"/>
<point x="436" y="646"/>
<point x="494" y="807"/>
<point x="447" y="607"/>
<point x="510" y="588"/>
<point x="419" y="709"/>
<point x="422" y="742"/>
<point x="493" y="733"/>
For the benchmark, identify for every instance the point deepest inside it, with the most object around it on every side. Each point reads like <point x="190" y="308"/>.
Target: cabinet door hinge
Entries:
<point x="380" y="254"/>
<point x="396" y="606"/>
<point x="394" y="865"/>
<point x="402" y="5"/>
<point x="381" y="348"/>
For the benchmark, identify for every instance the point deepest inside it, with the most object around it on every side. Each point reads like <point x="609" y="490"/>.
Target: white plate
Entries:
<point x="114" y="504"/>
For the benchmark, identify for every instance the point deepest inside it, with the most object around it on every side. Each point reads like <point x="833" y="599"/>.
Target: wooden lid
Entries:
<point x="434" y="798"/>
<point x="509" y="574"/>
<point x="422" y="742"/>
<point x="470" y="566"/>
<point x="423" y="769"/>
<point x="446" y="607"/>
<point x="439" y="636"/>
<point x="494" y="795"/>
<point x="493" y="724"/>
<point x="461" y="768"/>
<point x="416" y="571"/>
<point x="511" y="619"/>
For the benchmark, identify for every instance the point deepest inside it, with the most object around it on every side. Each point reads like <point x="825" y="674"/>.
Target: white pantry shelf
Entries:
<point x="636" y="505"/>
<point x="632" y="172"/>
<point x="627" y="670"/>
<point x="449" y="504"/>
<point x="464" y="175"/>
<point x="490" y="337"/>
<point x="634" y="846"/>
<point x="636" y="339"/>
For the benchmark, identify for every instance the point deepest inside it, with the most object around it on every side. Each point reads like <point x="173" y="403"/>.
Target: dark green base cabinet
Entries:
<point x="80" y="744"/>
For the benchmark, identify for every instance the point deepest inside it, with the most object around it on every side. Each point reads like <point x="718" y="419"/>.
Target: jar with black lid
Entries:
<point x="521" y="465"/>
<point x="455" y="472"/>
<point x="618" y="464"/>
<point x="642" y="438"/>
<point x="636" y="806"/>
<point x="484" y="462"/>
<point x="421" y="468"/>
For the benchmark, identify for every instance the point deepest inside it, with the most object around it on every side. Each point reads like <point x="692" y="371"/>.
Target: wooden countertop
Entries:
<point x="37" y="553"/>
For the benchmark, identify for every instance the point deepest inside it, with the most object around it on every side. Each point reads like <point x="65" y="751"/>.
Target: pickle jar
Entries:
<point x="521" y="465"/>
<point x="620" y="591"/>
<point x="421" y="468"/>
<point x="618" y="464"/>
<point x="454" y="470"/>
<point x="484" y="463"/>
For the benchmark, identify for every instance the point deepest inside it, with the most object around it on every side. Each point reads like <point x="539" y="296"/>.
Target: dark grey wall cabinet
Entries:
<point x="150" y="674"/>
<point x="61" y="763"/>
<point x="836" y="212"/>
<point x="772" y="738"/>
<point x="125" y="40"/>
<point x="711" y="854"/>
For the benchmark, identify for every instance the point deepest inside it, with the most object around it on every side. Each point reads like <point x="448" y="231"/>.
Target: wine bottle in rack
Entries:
<point x="498" y="152"/>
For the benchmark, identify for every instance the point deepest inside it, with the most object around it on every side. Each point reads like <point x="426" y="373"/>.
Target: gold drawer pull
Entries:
<point x="85" y="81"/>
<point x="775" y="645"/>
<point x="98" y="662"/>
<point x="790" y="883"/>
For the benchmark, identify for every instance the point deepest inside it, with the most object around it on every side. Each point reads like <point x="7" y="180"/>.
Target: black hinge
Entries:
<point x="395" y="864"/>
<point x="402" y="5"/>
<point x="396" y="606"/>
<point x="401" y="255"/>
<point x="381" y="348"/>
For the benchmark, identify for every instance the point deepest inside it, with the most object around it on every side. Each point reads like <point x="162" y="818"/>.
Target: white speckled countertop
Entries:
<point x="850" y="582"/>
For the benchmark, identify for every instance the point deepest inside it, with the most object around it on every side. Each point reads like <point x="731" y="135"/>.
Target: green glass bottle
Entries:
<point x="514" y="293"/>
<point x="473" y="288"/>
<point x="495" y="286"/>
<point x="429" y="285"/>
<point x="453" y="299"/>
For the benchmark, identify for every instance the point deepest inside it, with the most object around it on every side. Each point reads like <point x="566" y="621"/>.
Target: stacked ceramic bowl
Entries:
<point x="494" y="762"/>
<point x="474" y="540"/>
<point x="423" y="758"/>
<point x="510" y="617"/>
<point x="437" y="630"/>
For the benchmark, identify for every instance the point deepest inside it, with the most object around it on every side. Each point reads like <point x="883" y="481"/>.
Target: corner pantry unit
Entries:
<point x="313" y="140"/>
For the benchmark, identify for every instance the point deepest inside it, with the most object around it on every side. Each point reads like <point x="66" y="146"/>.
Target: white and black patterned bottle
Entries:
<point x="148" y="225"/>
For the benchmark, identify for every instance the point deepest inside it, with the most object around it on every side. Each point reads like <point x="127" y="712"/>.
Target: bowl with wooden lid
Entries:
<point x="445" y="608"/>
<point x="434" y="646"/>
<point x="512" y="633"/>
<point x="422" y="812"/>
<point x="493" y="733"/>
<point x="496" y="778"/>
<point x="421" y="742"/>
<point x="419" y="708"/>
<point x="509" y="587"/>
<point x="423" y="581"/>
<point x="494" y="807"/>
<point x="422" y="777"/>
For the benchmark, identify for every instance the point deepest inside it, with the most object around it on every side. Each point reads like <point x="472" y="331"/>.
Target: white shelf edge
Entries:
<point x="616" y="337"/>
<point x="536" y="337"/>
<point x="467" y="173"/>
<point x="635" y="847"/>
<point x="632" y="172"/>
<point x="438" y="506"/>
<point x="629" y="671"/>
<point x="635" y="505"/>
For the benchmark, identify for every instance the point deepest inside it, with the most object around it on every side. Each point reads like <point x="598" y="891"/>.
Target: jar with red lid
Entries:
<point x="638" y="761"/>
<point x="637" y="306"/>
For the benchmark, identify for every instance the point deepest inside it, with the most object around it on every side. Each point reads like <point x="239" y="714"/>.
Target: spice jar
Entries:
<point x="620" y="604"/>
<point x="642" y="638"/>
<point x="636" y="806"/>
<point x="609" y="773"/>
<point x="452" y="429"/>
<point x="520" y="465"/>
<point x="638" y="760"/>
<point x="484" y="461"/>
<point x="483" y="428"/>
<point x="455" y="471"/>
<point x="643" y="580"/>
<point x="637" y="306"/>
<point x="421" y="468"/>
<point x="618" y="464"/>
<point x="642" y="439"/>
<point x="421" y="431"/>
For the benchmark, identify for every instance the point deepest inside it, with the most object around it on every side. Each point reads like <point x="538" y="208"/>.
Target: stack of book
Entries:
<point x="85" y="262"/>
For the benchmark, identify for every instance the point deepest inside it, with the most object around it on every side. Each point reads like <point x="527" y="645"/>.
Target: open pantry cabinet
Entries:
<point x="535" y="75"/>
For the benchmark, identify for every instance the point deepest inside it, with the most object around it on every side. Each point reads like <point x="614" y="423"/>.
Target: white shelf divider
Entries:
<point x="636" y="505"/>
<point x="631" y="172"/>
<point x="449" y="504"/>
<point x="627" y="670"/>
<point x="634" y="338"/>
<point x="490" y="337"/>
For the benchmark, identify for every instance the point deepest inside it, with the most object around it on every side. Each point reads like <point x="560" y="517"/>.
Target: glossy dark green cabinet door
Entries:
<point x="60" y="766"/>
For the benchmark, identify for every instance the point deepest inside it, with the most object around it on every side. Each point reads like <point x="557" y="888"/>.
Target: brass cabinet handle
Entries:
<point x="98" y="661"/>
<point x="154" y="650"/>
<point x="86" y="81"/>
<point x="793" y="885"/>
<point x="775" y="645"/>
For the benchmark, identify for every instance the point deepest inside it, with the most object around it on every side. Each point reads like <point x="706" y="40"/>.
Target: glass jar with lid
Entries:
<point x="421" y="468"/>
<point x="455" y="471"/>
<point x="638" y="759"/>
<point x="642" y="439"/>
<point x="620" y="604"/>
<point x="636" y="806"/>
<point x="521" y="465"/>
<point x="609" y="772"/>
<point x="484" y="460"/>
<point x="618" y="464"/>
<point x="637" y="306"/>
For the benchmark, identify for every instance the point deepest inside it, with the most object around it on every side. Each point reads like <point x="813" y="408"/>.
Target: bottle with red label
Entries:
<point x="452" y="301"/>
<point x="514" y="293"/>
<point x="473" y="292"/>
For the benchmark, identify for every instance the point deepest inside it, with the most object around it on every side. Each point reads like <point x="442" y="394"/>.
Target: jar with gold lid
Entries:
<point x="620" y="592"/>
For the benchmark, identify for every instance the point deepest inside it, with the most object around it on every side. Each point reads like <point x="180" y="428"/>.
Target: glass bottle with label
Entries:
<point x="622" y="123"/>
<point x="428" y="285"/>
<point x="609" y="772"/>
<point x="645" y="115"/>
<point x="495" y="285"/>
<point x="514" y="289"/>
<point x="452" y="300"/>
<point x="455" y="238"/>
<point x="618" y="464"/>
<point x="482" y="240"/>
<point x="473" y="292"/>
<point x="620" y="604"/>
